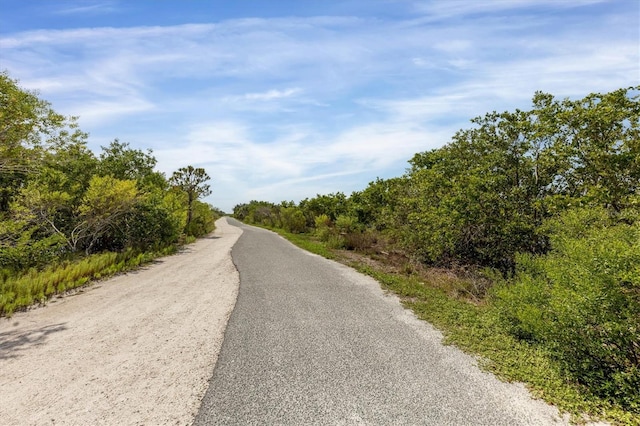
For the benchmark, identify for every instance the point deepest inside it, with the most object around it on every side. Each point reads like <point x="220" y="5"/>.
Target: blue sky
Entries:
<point x="282" y="100"/>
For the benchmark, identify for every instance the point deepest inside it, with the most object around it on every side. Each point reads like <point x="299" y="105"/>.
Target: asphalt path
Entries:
<point x="311" y="341"/>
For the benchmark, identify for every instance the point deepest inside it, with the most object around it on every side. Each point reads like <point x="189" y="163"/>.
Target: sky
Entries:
<point x="282" y="100"/>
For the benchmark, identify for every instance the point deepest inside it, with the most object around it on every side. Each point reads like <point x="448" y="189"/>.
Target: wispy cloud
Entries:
<point x="83" y="8"/>
<point x="285" y="107"/>
<point x="271" y="94"/>
<point x="447" y="9"/>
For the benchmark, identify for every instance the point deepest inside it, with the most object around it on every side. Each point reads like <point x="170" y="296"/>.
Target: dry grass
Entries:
<point x="466" y="284"/>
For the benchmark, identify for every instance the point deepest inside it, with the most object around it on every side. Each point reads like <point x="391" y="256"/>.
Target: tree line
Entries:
<point x="60" y="201"/>
<point x="547" y="198"/>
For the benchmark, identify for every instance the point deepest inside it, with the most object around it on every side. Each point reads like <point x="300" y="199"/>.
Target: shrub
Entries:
<point x="335" y="242"/>
<point x="324" y="228"/>
<point x="582" y="301"/>
<point x="359" y="240"/>
<point x="293" y="220"/>
<point x="346" y="224"/>
<point x="202" y="221"/>
<point x="150" y="225"/>
<point x="32" y="253"/>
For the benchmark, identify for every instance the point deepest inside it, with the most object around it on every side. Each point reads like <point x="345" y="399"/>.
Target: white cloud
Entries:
<point x="290" y="106"/>
<point x="103" y="111"/>
<point x="295" y="163"/>
<point x="446" y="9"/>
<point x="272" y="94"/>
<point x="86" y="8"/>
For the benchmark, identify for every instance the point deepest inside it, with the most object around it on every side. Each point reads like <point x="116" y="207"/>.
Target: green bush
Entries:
<point x="335" y="242"/>
<point x="151" y="225"/>
<point x="346" y="224"/>
<point x="293" y="220"/>
<point x="324" y="229"/>
<point x="203" y="220"/>
<point x="31" y="253"/>
<point x="582" y="301"/>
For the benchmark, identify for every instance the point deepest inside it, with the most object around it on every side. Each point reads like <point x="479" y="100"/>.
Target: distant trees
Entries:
<point x="57" y="199"/>
<point x="484" y="197"/>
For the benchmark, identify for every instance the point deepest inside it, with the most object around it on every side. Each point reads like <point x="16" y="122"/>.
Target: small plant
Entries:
<point x="335" y="242"/>
<point x="293" y="220"/>
<point x="34" y="286"/>
<point x="347" y="224"/>
<point x="359" y="240"/>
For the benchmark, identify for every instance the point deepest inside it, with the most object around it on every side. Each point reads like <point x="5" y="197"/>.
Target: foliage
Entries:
<point x="482" y="198"/>
<point x="27" y="125"/>
<point x="261" y="213"/>
<point x="105" y="204"/>
<point x="293" y="220"/>
<point x="582" y="302"/>
<point x="323" y="227"/>
<point x="120" y="161"/>
<point x="332" y="205"/>
<point x="58" y="201"/>
<point x="191" y="181"/>
<point x="202" y="222"/>
<point x="36" y="286"/>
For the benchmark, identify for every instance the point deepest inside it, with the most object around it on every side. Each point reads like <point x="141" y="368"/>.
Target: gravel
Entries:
<point x="132" y="350"/>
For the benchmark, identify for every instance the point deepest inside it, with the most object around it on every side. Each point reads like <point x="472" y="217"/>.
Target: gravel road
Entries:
<point x="136" y="349"/>
<point x="313" y="342"/>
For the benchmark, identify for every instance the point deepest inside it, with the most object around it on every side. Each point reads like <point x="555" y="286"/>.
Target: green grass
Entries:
<point x="304" y="241"/>
<point x="475" y="328"/>
<point x="18" y="292"/>
<point x="36" y="286"/>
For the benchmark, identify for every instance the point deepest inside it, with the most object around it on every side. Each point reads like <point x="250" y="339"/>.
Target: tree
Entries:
<point x="27" y="126"/>
<point x="482" y="198"/>
<point x="123" y="162"/>
<point x="600" y="141"/>
<point x="192" y="181"/>
<point x="105" y="205"/>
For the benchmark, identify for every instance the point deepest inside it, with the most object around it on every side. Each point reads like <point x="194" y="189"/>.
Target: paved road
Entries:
<point x="313" y="342"/>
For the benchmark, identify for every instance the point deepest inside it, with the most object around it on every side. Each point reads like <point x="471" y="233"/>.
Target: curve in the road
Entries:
<point x="313" y="342"/>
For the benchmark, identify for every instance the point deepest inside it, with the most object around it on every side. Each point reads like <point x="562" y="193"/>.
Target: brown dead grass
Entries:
<point x="462" y="283"/>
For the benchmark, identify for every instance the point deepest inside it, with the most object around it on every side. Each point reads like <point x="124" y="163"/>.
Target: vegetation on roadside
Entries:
<point x="520" y="239"/>
<point x="67" y="215"/>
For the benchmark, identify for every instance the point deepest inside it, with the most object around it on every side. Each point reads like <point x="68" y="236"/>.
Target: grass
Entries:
<point x="448" y="302"/>
<point x="18" y="292"/>
<point x="36" y="286"/>
<point x="306" y="242"/>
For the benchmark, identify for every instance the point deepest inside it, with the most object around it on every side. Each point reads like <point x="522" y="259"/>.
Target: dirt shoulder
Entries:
<point x="136" y="349"/>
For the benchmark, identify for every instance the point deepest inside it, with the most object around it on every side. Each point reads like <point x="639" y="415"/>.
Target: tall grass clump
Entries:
<point x="36" y="286"/>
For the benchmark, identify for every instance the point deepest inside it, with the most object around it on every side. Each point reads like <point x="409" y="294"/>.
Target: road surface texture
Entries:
<point x="138" y="349"/>
<point x="312" y="342"/>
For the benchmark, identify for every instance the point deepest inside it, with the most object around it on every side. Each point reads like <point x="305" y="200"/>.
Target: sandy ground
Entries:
<point x="136" y="349"/>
